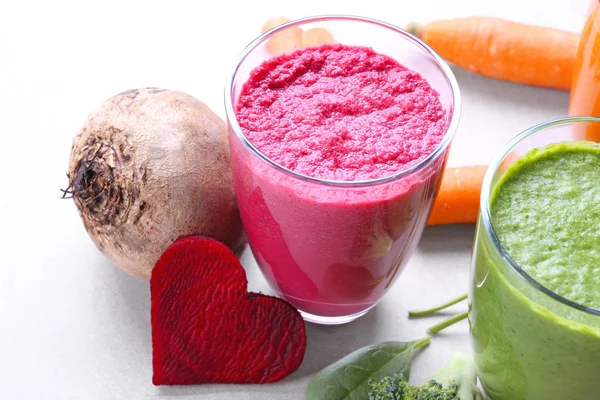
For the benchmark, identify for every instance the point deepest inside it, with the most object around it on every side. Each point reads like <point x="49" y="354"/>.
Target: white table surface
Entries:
<point x="72" y="326"/>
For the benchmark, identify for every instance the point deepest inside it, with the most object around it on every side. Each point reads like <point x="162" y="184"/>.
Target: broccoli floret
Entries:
<point x="397" y="388"/>
<point x="456" y="381"/>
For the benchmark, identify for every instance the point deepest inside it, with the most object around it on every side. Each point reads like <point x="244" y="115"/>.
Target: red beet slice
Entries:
<point x="206" y="327"/>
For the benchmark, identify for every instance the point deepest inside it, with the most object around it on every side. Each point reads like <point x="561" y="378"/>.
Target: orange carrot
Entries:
<point x="284" y="42"/>
<point x="586" y="90"/>
<point x="458" y="199"/>
<point x="273" y="22"/>
<point x="294" y="38"/>
<point x="317" y="37"/>
<point x="502" y="49"/>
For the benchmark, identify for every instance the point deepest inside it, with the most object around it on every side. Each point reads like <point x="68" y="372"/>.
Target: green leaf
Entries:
<point x="348" y="378"/>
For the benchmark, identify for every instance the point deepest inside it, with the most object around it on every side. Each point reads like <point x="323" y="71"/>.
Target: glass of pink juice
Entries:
<point x="337" y="152"/>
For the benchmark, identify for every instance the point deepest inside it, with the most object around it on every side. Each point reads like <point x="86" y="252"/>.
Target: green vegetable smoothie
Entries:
<point x="529" y="345"/>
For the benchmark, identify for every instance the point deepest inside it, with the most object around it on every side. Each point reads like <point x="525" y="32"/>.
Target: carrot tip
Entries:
<point x="415" y="28"/>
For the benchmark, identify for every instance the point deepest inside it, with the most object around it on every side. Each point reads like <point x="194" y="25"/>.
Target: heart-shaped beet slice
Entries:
<point x="206" y="327"/>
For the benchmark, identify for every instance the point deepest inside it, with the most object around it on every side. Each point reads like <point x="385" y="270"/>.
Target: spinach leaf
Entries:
<point x="348" y="378"/>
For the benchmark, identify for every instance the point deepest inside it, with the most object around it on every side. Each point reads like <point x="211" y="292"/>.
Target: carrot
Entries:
<point x="502" y="49"/>
<point x="294" y="38"/>
<point x="316" y="37"/>
<point x="273" y="22"/>
<point x="284" y="42"/>
<point x="458" y="198"/>
<point x="585" y="94"/>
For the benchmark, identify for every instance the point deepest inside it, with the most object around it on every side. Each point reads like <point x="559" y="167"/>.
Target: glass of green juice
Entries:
<point x="534" y="297"/>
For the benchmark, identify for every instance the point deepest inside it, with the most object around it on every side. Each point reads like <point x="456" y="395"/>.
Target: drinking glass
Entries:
<point x="331" y="248"/>
<point x="528" y="342"/>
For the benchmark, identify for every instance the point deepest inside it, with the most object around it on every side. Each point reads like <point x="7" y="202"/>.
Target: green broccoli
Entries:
<point x="456" y="381"/>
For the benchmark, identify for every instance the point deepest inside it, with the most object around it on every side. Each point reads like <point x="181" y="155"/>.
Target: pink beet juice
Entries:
<point x="337" y="154"/>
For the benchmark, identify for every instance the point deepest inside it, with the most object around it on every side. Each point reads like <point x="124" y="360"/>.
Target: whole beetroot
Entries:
<point x="148" y="166"/>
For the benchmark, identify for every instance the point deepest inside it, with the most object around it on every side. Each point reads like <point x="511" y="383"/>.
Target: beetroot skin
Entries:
<point x="206" y="327"/>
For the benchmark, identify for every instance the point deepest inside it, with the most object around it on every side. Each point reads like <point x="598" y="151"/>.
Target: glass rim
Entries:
<point x="432" y="156"/>
<point x="486" y="217"/>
